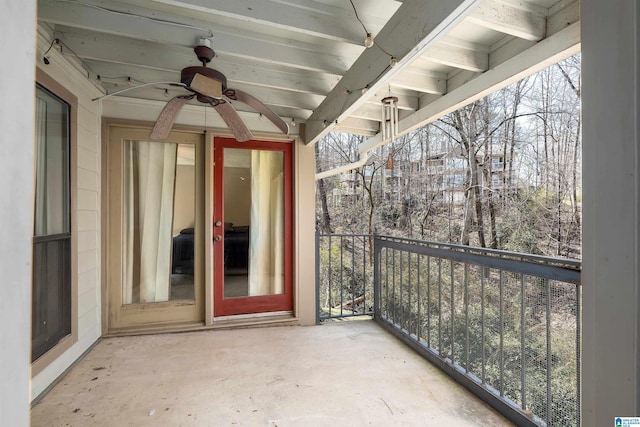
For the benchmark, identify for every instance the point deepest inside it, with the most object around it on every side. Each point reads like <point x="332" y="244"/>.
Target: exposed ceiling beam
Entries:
<point x="281" y="98"/>
<point x="413" y="78"/>
<point x="304" y="17"/>
<point x="525" y="23"/>
<point x="358" y="126"/>
<point x="266" y="49"/>
<point x="562" y="16"/>
<point x="417" y="25"/>
<point x="367" y="112"/>
<point x="457" y="57"/>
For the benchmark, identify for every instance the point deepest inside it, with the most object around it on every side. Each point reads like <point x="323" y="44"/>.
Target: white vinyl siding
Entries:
<point x="87" y="214"/>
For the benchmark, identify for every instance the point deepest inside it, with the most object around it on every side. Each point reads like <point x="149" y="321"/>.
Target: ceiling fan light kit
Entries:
<point x="208" y="84"/>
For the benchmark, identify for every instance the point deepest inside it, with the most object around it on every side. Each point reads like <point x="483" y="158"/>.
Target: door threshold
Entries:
<point x="226" y="322"/>
<point x="155" y="329"/>
<point x="255" y="320"/>
<point x="270" y="314"/>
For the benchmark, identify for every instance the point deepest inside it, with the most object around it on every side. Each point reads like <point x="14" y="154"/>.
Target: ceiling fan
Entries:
<point x="209" y="86"/>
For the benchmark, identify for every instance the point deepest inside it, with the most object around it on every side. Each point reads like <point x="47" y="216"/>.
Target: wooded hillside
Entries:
<point x="503" y="172"/>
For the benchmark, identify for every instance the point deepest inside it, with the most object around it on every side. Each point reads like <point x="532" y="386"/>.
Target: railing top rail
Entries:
<point x="553" y="268"/>
<point x="566" y="263"/>
<point x="344" y="235"/>
<point x="569" y="263"/>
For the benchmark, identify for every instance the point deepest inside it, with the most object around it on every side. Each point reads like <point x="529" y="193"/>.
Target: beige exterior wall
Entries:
<point x="87" y="215"/>
<point x="304" y="229"/>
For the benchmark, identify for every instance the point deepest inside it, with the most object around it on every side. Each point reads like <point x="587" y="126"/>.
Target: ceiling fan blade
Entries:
<point x="206" y="86"/>
<point x="259" y="106"/>
<point x="167" y="116"/>
<point x="233" y="120"/>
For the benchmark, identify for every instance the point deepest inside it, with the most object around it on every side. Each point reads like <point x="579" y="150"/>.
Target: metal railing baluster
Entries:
<point x="400" y="291"/>
<point x="440" y="305"/>
<point x="353" y="274"/>
<point x="453" y="309"/>
<point x="578" y="412"/>
<point x="318" y="315"/>
<point x="341" y="275"/>
<point x="429" y="301"/>
<point x="547" y="286"/>
<point x="523" y="356"/>
<point x="419" y="300"/>
<point x="330" y="275"/>
<point x="501" y="354"/>
<point x="466" y="317"/>
<point x="483" y="377"/>
<point x="364" y="276"/>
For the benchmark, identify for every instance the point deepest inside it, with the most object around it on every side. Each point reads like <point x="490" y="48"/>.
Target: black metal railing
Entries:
<point x="344" y="275"/>
<point x="503" y="324"/>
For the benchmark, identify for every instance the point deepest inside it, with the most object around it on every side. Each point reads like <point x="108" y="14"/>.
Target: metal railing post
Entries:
<point x="317" y="278"/>
<point x="376" y="278"/>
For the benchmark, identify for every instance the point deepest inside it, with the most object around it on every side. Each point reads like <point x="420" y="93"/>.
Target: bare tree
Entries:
<point x="515" y="183"/>
<point x="325" y="218"/>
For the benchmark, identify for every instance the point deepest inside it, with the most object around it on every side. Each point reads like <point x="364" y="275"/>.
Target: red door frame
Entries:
<point x="253" y="304"/>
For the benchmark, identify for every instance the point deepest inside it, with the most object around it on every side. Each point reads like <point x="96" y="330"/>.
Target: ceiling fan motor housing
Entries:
<point x="204" y="53"/>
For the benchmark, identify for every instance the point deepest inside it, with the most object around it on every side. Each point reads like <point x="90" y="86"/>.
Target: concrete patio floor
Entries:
<point x="338" y="374"/>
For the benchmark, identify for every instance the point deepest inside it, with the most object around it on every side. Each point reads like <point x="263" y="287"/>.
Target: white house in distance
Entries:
<point x="308" y="66"/>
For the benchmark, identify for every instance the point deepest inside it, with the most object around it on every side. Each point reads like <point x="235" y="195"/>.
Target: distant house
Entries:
<point x="444" y="176"/>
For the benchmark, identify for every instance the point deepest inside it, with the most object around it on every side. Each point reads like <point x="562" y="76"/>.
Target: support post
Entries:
<point x="611" y="205"/>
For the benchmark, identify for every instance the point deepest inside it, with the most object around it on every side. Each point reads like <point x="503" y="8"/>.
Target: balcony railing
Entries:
<point x="344" y="275"/>
<point x="505" y="325"/>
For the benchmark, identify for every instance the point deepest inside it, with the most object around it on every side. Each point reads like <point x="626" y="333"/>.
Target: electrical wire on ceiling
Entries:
<point x="357" y="17"/>
<point x="61" y="44"/>
<point x="369" y="40"/>
<point x="393" y="61"/>
<point x="134" y="15"/>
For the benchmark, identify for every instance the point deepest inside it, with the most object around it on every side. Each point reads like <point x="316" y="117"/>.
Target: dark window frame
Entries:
<point x="43" y="355"/>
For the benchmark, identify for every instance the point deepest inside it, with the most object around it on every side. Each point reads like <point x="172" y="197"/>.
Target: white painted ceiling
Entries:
<point x="305" y="58"/>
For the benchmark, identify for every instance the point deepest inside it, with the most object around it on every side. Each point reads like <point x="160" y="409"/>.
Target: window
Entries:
<point x="454" y="180"/>
<point x="496" y="163"/>
<point x="456" y="163"/>
<point x="52" y="252"/>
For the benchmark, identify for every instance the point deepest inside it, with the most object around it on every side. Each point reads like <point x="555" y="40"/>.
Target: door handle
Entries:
<point x="218" y="237"/>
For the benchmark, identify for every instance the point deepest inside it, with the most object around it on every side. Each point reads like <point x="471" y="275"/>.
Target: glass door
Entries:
<point x="252" y="227"/>
<point x="156" y="228"/>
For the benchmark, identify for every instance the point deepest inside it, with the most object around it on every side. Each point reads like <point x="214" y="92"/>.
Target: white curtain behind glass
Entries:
<point x="40" y="217"/>
<point x="148" y="189"/>
<point x="266" y="245"/>
<point x="51" y="180"/>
